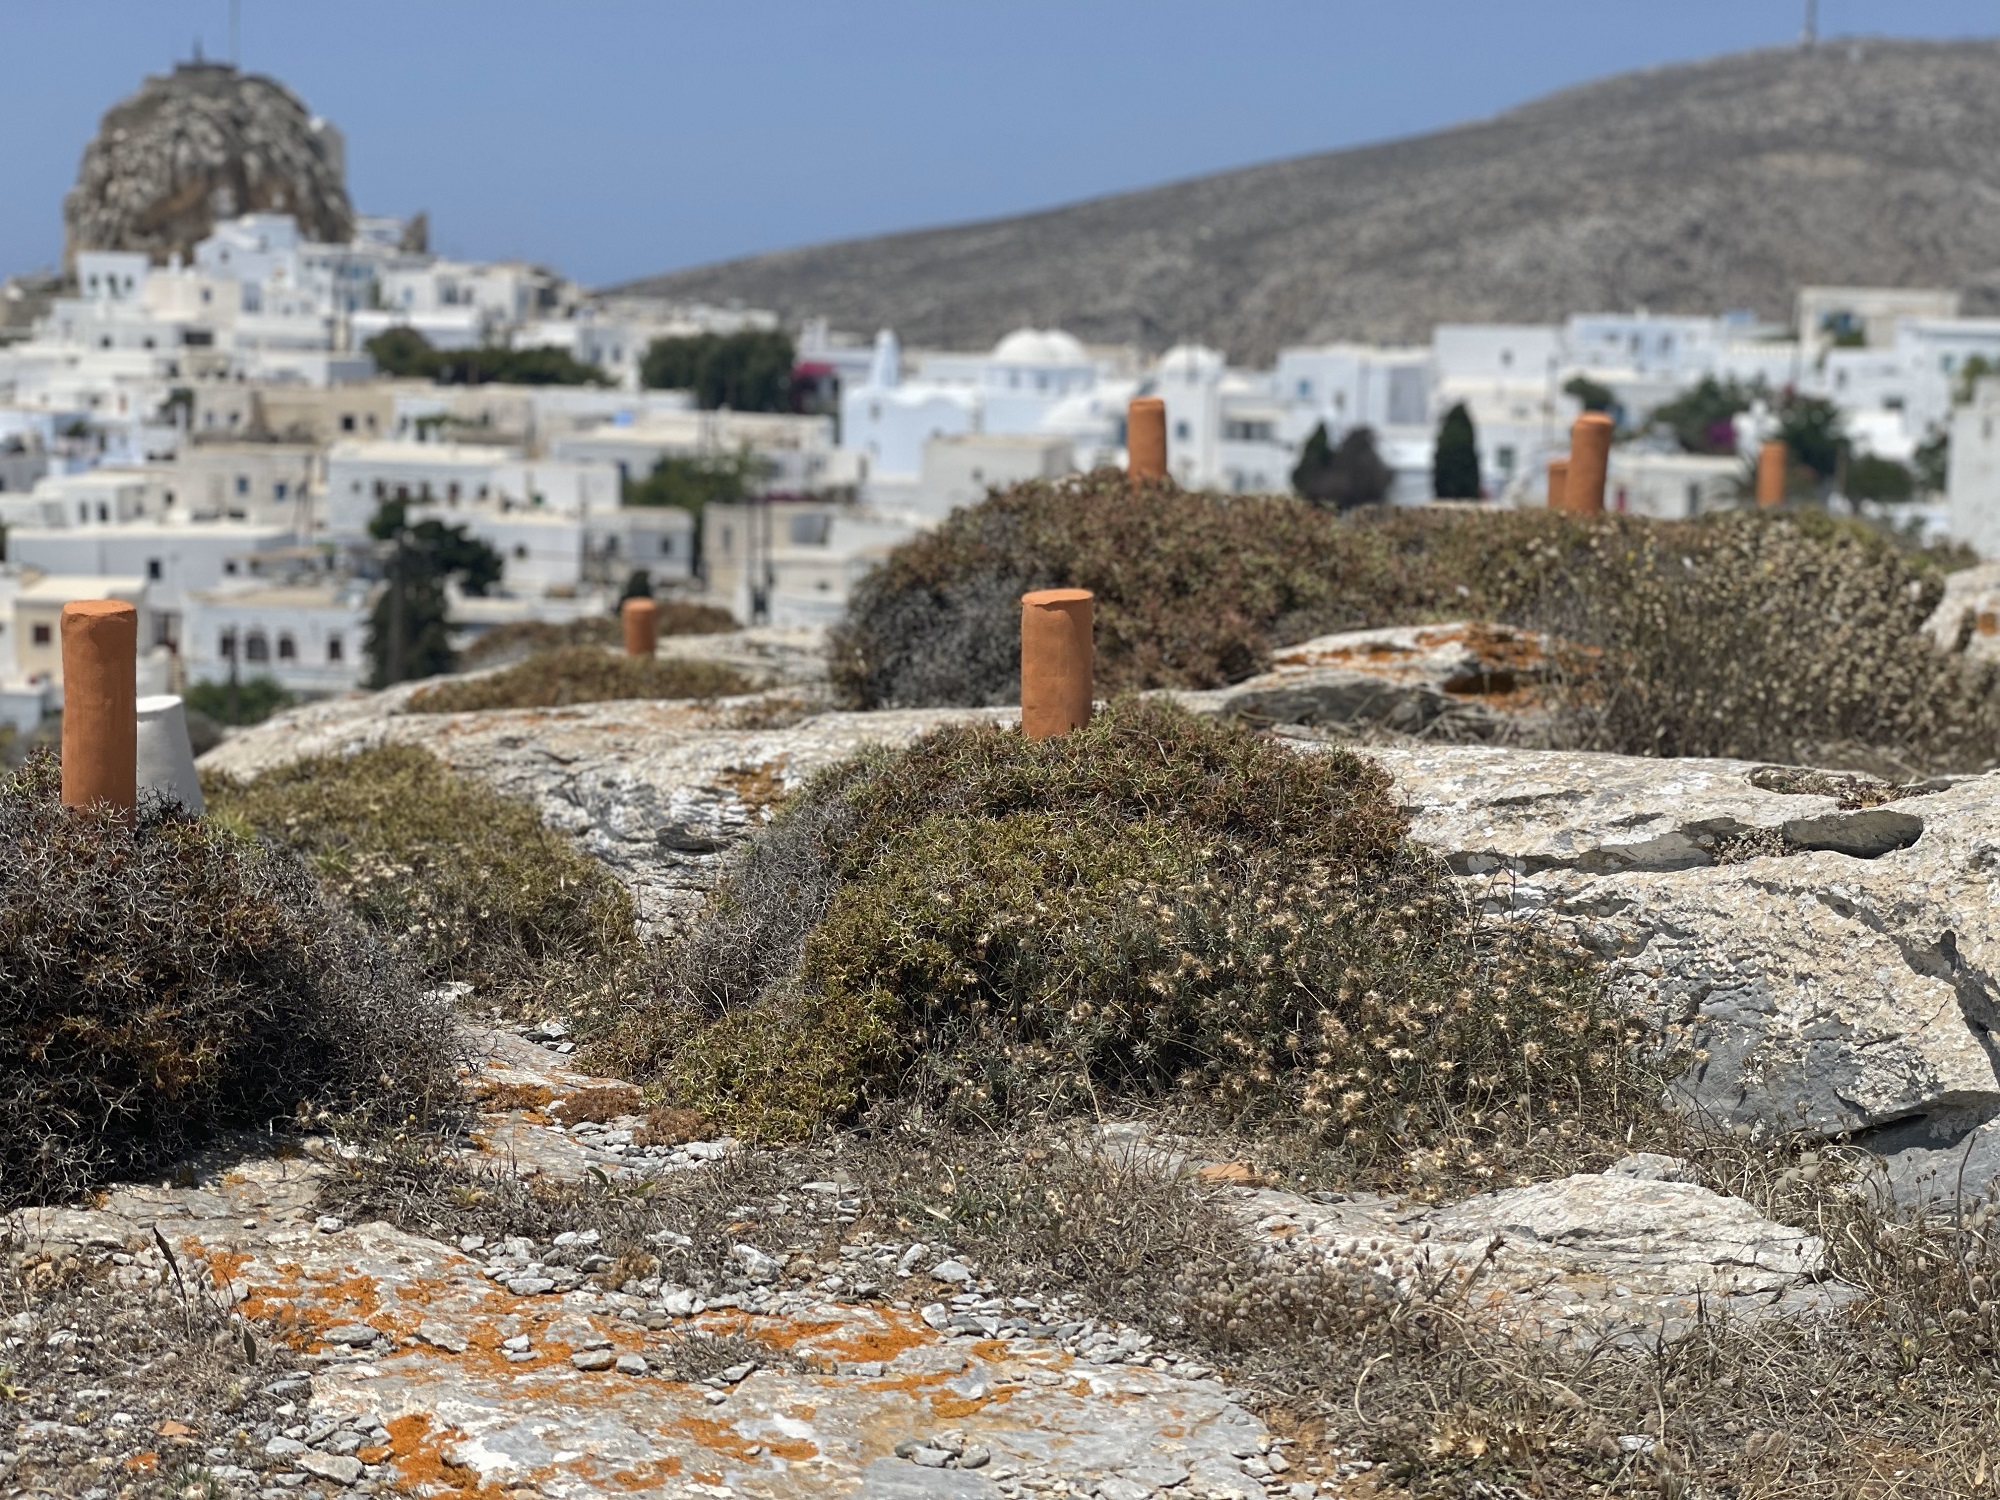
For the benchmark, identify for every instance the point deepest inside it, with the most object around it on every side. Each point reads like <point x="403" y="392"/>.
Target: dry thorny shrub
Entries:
<point x="1157" y="908"/>
<point x="579" y="674"/>
<point x="1787" y="637"/>
<point x="466" y="884"/>
<point x="164" y="977"/>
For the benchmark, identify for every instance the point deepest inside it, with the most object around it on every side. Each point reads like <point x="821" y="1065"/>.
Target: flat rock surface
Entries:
<point x="1829" y="967"/>
<point x="1459" y="682"/>
<point x="655" y="789"/>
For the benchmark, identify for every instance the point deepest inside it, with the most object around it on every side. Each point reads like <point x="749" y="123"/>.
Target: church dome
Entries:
<point x="1036" y="346"/>
<point x="198" y="145"/>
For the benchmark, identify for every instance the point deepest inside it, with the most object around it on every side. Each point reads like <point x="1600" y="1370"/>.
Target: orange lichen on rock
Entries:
<point x="721" y="1438"/>
<point x="757" y="787"/>
<point x="646" y="1478"/>
<point x="857" y="1345"/>
<point x="423" y="1466"/>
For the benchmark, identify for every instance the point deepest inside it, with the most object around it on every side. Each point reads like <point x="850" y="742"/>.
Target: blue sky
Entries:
<point x="612" y="138"/>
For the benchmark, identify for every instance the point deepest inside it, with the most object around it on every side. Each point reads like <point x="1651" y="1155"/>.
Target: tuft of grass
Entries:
<point x="580" y="674"/>
<point x="466" y="884"/>
<point x="165" y="978"/>
<point x="1159" y="908"/>
<point x="1784" y="637"/>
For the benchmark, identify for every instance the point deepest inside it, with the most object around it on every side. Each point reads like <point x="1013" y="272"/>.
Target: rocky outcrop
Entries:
<point x="1827" y="965"/>
<point x="1464" y="681"/>
<point x="197" y="145"/>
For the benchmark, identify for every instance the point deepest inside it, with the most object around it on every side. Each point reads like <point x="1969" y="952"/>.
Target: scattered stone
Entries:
<point x="955" y="1272"/>
<point x="630" y="1364"/>
<point x="594" y="1359"/>
<point x="328" y="1224"/>
<point x="441" y="1336"/>
<point x="339" y="1467"/>
<point x="351" y="1335"/>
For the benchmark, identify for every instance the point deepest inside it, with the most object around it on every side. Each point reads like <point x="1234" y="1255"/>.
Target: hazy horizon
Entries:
<point x="620" y="139"/>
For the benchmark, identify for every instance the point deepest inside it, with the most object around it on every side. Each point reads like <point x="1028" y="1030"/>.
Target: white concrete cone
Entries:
<point x="166" y="755"/>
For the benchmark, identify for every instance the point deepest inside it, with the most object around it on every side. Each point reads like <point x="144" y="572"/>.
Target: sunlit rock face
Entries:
<point x="201" y="144"/>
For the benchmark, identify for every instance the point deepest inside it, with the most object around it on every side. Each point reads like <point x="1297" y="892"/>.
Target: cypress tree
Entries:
<point x="1455" y="467"/>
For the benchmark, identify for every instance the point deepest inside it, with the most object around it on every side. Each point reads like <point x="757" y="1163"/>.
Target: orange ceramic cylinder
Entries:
<point x="1146" y="438"/>
<point x="641" y="619"/>
<point x="1589" y="460"/>
<point x="1771" y="460"/>
<point x="1057" y="656"/>
<point x="1558" y="483"/>
<point x="100" y="722"/>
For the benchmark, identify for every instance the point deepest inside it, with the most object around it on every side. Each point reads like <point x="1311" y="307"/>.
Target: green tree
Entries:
<point x="638" y="585"/>
<point x="747" y="371"/>
<point x="1455" y="466"/>
<point x="1934" y="461"/>
<point x="1810" y="427"/>
<point x="251" y="701"/>
<point x="1701" y="419"/>
<point x="1873" y="478"/>
<point x="1345" y="477"/>
<point x="695" y="483"/>
<point x="1594" y="397"/>
<point x="1976" y="368"/>
<point x="405" y="353"/>
<point x="408" y="628"/>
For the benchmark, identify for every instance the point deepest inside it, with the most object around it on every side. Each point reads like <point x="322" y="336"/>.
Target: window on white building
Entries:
<point x="256" y="647"/>
<point x="1182" y="432"/>
<point x="153" y="568"/>
<point x="226" y="645"/>
<point x="335" y="649"/>
<point x="288" y="649"/>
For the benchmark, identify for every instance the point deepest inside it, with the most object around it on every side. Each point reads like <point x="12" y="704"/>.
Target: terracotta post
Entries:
<point x="1146" y="438"/>
<point x="641" y="618"/>
<point x="1558" y="482"/>
<point x="1589" y="458"/>
<point x="1771" y="459"/>
<point x="100" y="722"/>
<point x="1056" y="655"/>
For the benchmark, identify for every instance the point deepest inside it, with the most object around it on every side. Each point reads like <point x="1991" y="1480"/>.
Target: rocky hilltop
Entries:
<point x="199" y="144"/>
<point x="1724" y="183"/>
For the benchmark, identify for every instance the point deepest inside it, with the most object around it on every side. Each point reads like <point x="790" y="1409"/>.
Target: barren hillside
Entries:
<point x="1718" y="184"/>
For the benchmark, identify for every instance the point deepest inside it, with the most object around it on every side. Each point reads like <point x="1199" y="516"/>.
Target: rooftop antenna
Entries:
<point x="1808" y="37"/>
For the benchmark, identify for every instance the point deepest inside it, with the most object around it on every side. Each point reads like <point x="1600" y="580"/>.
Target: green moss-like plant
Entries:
<point x="166" y="977"/>
<point x="466" y="883"/>
<point x="580" y="674"/>
<point x="1159" y="907"/>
